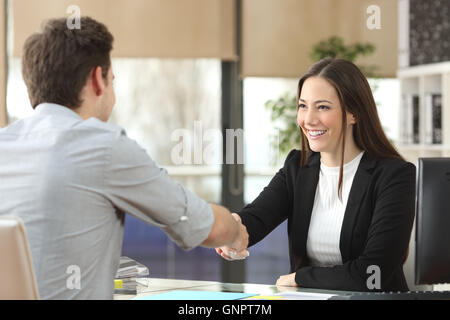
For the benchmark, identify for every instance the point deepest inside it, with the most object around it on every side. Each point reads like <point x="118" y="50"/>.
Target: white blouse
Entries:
<point x="327" y="215"/>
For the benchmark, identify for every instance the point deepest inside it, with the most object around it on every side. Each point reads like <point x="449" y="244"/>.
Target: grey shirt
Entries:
<point x="71" y="181"/>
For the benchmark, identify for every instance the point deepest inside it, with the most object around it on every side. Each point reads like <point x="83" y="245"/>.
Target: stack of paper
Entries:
<point x="125" y="286"/>
<point x="129" y="268"/>
<point x="196" y="295"/>
<point x="304" y="296"/>
<point x="128" y="271"/>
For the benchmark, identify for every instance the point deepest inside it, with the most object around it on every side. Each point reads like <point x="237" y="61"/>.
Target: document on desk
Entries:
<point x="304" y="296"/>
<point x="196" y="295"/>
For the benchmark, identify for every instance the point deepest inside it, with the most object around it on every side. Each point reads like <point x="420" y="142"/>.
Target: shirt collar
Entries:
<point x="56" y="109"/>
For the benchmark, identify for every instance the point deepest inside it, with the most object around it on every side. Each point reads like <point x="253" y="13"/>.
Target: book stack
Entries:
<point x="125" y="280"/>
<point x="411" y="119"/>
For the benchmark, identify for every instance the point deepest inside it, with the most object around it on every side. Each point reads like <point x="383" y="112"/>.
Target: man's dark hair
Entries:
<point x="57" y="61"/>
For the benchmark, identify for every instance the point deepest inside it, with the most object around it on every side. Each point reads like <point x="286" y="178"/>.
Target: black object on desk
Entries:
<point x="433" y="221"/>
<point x="410" y="295"/>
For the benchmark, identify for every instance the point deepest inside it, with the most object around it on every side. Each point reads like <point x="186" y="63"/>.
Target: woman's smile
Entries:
<point x="315" y="134"/>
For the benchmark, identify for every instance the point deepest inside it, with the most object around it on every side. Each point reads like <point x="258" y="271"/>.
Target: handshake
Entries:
<point x="237" y="250"/>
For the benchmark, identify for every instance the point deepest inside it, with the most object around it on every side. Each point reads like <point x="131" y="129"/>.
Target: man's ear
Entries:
<point x="97" y="81"/>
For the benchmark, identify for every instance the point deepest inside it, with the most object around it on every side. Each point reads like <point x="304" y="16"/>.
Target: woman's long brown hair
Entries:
<point x="356" y="97"/>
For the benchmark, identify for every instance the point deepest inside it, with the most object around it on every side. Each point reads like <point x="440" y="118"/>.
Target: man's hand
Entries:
<point x="287" y="280"/>
<point x="238" y="249"/>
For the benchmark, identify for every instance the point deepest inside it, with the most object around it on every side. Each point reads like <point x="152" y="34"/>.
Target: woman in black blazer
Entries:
<point x="377" y="200"/>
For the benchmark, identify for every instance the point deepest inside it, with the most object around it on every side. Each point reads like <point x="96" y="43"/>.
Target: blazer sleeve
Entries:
<point x="386" y="244"/>
<point x="271" y="207"/>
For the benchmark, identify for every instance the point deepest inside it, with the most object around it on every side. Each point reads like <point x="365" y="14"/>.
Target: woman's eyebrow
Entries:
<point x="318" y="101"/>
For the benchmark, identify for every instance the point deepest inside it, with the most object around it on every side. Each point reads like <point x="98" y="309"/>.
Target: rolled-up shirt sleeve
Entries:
<point x="135" y="184"/>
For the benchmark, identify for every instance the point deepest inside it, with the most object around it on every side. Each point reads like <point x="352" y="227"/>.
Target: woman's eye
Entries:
<point x="322" y="107"/>
<point x="301" y="106"/>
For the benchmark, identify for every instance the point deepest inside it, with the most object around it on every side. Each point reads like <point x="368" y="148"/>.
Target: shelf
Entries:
<point x="417" y="120"/>
<point x="424" y="70"/>
<point x="215" y="171"/>
<point x="422" y="147"/>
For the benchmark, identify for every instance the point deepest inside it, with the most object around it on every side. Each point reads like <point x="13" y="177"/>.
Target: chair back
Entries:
<point x="17" y="279"/>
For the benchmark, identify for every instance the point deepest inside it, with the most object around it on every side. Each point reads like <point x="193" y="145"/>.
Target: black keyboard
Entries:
<point x="410" y="295"/>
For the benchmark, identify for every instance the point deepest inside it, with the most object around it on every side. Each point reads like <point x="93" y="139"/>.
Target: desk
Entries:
<point x="151" y="286"/>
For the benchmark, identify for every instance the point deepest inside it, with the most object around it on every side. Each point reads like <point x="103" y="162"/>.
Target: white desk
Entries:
<point x="151" y="286"/>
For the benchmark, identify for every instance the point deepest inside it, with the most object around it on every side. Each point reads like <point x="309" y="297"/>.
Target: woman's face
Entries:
<point x="320" y="116"/>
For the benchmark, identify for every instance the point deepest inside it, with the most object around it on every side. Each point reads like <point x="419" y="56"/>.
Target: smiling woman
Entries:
<point x="343" y="101"/>
<point x="348" y="196"/>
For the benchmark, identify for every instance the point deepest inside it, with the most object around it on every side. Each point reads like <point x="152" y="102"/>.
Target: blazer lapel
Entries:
<point x="305" y="191"/>
<point x="357" y="191"/>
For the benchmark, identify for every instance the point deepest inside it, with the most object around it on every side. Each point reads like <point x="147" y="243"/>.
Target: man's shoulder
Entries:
<point x="106" y="127"/>
<point x="123" y="148"/>
<point x="13" y="128"/>
<point x="36" y="123"/>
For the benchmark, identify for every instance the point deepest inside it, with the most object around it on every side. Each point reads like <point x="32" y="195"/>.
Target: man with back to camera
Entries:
<point x="71" y="176"/>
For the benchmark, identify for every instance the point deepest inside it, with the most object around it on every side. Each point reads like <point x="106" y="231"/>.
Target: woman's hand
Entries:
<point x="230" y="254"/>
<point x="287" y="280"/>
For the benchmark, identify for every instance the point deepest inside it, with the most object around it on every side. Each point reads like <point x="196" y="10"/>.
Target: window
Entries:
<point x="161" y="104"/>
<point x="270" y="257"/>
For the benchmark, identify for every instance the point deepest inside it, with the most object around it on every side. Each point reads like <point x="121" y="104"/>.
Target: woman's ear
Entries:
<point x="351" y="118"/>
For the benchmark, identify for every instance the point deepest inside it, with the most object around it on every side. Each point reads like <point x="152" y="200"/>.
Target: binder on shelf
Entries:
<point x="404" y="119"/>
<point x="410" y="118"/>
<point x="415" y="118"/>
<point x="437" y="118"/>
<point x="433" y="118"/>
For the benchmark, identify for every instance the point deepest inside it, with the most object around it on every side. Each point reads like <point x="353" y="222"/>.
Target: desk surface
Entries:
<point x="151" y="286"/>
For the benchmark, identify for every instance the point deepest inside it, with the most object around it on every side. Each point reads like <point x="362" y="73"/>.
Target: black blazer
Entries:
<point x="375" y="231"/>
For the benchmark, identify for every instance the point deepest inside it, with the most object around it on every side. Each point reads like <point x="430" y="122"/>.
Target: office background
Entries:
<point x="202" y="66"/>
